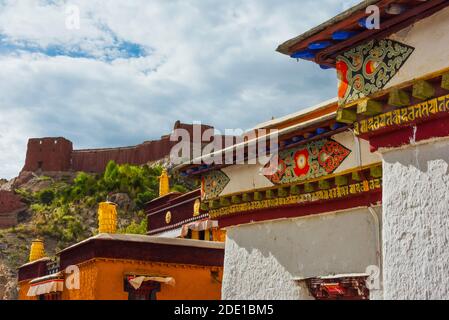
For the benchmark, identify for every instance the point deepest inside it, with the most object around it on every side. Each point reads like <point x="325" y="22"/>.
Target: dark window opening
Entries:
<point x="147" y="290"/>
<point x="50" y="296"/>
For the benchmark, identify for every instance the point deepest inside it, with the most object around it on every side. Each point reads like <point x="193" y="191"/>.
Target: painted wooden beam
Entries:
<point x="376" y="172"/>
<point x="398" y="98"/>
<point x="282" y="192"/>
<point x="258" y="196"/>
<point x="445" y="81"/>
<point x="343" y="35"/>
<point x="214" y="204"/>
<point x="270" y="194"/>
<point x="236" y="199"/>
<point x="224" y="202"/>
<point x="395" y="9"/>
<point x="324" y="184"/>
<point x="369" y="107"/>
<point x="356" y="176"/>
<point x="246" y="197"/>
<point x="294" y="190"/>
<point x="341" y="180"/>
<point x="423" y="90"/>
<point x="308" y="187"/>
<point x="346" y="115"/>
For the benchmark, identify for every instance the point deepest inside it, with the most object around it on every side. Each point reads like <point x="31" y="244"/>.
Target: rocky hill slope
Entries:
<point x="62" y="210"/>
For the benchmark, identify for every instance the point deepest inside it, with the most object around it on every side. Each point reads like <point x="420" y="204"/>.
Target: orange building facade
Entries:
<point x="103" y="267"/>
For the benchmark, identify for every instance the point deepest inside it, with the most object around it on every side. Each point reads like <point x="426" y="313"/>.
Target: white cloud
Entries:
<point x="207" y="60"/>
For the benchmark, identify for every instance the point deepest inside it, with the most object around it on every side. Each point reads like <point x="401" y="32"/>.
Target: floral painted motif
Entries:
<point x="302" y="166"/>
<point x="276" y="177"/>
<point x="212" y="184"/>
<point x="367" y="68"/>
<point x="313" y="160"/>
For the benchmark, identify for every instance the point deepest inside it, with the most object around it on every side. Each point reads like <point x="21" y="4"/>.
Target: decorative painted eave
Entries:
<point x="354" y="188"/>
<point x="413" y="111"/>
<point x="324" y="43"/>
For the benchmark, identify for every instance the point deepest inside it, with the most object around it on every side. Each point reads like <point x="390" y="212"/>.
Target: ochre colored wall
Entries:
<point x="23" y="290"/>
<point x="88" y="283"/>
<point x="102" y="279"/>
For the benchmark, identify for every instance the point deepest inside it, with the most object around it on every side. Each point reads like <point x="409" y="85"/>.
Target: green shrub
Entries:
<point x="136" y="228"/>
<point x="144" y="197"/>
<point x="46" y="196"/>
<point x="63" y="210"/>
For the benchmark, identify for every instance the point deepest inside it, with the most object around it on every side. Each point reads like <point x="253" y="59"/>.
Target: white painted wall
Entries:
<point x="244" y="177"/>
<point x="263" y="259"/>
<point x="416" y="222"/>
<point x="429" y="37"/>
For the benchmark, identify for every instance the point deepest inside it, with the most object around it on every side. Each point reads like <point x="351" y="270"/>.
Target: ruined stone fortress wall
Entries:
<point x="57" y="154"/>
<point x="10" y="205"/>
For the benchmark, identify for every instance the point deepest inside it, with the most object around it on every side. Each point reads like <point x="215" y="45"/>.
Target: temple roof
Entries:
<point x="323" y="43"/>
<point x="144" y="248"/>
<point x="306" y="121"/>
<point x="149" y="239"/>
<point x="316" y="111"/>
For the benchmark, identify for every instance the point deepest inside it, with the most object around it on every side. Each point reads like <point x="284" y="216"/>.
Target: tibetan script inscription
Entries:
<point x="403" y="116"/>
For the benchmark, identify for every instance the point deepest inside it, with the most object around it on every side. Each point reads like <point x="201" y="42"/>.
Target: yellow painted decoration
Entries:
<point x="196" y="207"/>
<point x="369" y="107"/>
<point x="37" y="250"/>
<point x="403" y="116"/>
<point x="320" y="195"/>
<point x="107" y="217"/>
<point x="294" y="190"/>
<point x="236" y="199"/>
<point x="168" y="217"/>
<point x="398" y="98"/>
<point x="423" y="90"/>
<point x="164" y="184"/>
<point x="195" y="235"/>
<point x="346" y="115"/>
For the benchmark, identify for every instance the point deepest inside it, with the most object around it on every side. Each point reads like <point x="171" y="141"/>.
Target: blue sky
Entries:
<point x="135" y="67"/>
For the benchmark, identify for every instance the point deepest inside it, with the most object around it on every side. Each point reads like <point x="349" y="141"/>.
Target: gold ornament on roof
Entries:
<point x="107" y="217"/>
<point x="37" y="250"/>
<point x="196" y="208"/>
<point x="168" y="217"/>
<point x="164" y="184"/>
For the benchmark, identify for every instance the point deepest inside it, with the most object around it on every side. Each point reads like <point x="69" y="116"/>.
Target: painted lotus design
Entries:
<point x="313" y="160"/>
<point x="302" y="166"/>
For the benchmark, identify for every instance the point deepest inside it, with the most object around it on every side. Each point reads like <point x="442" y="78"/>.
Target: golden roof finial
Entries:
<point x="37" y="250"/>
<point x="164" y="184"/>
<point x="107" y="217"/>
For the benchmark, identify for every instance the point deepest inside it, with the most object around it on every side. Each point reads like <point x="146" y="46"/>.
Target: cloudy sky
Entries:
<point x="133" y="68"/>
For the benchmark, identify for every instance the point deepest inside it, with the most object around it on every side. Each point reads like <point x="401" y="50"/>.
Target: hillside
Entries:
<point x="62" y="210"/>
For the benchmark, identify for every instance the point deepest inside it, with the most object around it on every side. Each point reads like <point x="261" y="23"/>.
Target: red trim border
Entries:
<point x="365" y="199"/>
